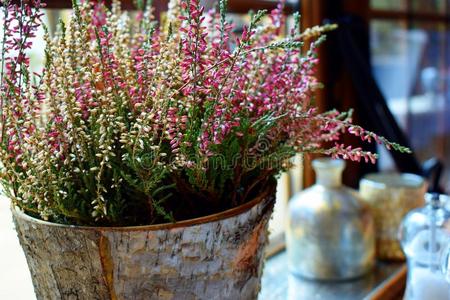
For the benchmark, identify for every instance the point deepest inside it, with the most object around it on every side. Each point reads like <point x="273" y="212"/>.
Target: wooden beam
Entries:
<point x="234" y="6"/>
<point x="405" y="15"/>
<point x="240" y="6"/>
<point x="313" y="13"/>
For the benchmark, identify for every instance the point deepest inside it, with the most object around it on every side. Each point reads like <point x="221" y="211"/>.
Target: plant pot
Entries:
<point x="214" y="257"/>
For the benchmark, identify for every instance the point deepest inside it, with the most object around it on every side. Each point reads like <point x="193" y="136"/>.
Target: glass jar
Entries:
<point x="390" y="197"/>
<point x="445" y="263"/>
<point x="424" y="234"/>
<point x="330" y="231"/>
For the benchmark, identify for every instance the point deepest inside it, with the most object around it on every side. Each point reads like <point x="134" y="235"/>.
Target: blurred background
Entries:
<point x="399" y="51"/>
<point x="389" y="60"/>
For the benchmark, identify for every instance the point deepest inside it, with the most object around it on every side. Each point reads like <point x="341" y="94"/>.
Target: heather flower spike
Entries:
<point x="134" y="122"/>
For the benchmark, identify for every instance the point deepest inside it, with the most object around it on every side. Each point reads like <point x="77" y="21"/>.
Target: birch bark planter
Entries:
<point x="215" y="257"/>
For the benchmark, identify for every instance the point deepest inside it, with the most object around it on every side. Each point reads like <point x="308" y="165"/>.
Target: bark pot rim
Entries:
<point x="226" y="214"/>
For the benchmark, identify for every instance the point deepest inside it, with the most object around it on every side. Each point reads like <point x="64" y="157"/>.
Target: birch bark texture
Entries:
<point x="214" y="257"/>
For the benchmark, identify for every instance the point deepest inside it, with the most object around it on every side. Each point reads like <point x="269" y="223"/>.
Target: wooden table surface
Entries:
<point x="385" y="282"/>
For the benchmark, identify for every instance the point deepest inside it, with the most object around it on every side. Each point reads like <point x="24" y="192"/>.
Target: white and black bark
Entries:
<point x="215" y="257"/>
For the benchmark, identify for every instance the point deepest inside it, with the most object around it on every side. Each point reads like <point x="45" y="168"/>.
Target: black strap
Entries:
<point x="373" y="107"/>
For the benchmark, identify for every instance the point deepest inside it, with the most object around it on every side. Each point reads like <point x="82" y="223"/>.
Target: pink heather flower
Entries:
<point x="132" y="107"/>
<point x="354" y="154"/>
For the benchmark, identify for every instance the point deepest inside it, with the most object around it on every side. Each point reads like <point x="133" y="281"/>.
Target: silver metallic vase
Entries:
<point x="330" y="231"/>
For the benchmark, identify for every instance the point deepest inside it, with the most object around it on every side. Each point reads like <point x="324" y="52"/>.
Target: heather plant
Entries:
<point x="134" y="121"/>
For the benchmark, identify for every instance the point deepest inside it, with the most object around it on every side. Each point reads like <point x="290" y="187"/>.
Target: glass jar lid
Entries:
<point x="424" y="232"/>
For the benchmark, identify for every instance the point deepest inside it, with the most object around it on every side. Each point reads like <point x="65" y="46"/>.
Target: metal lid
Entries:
<point x="437" y="200"/>
<point x="326" y="163"/>
<point x="397" y="180"/>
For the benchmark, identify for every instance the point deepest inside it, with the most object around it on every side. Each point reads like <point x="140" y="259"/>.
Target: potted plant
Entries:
<point x="141" y="162"/>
